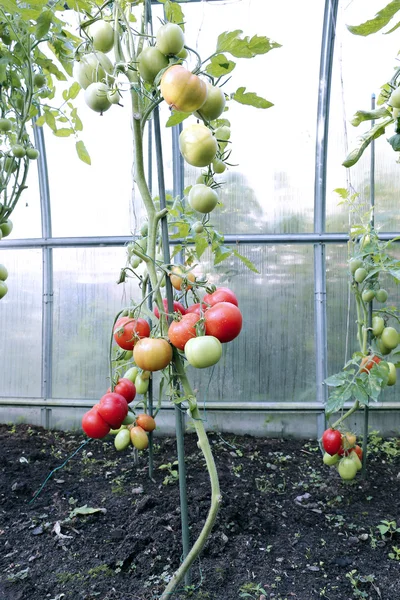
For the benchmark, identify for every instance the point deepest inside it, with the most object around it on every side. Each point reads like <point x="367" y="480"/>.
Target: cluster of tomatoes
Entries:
<point x="343" y="451"/>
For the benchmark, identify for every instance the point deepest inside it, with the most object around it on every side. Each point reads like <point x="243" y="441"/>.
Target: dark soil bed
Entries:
<point x="288" y="528"/>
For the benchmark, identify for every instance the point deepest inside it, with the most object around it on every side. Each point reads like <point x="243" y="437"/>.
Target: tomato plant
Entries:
<point x="183" y="91"/>
<point x="224" y="321"/>
<point x="221" y="294"/>
<point x="152" y="354"/>
<point x="180" y="278"/>
<point x="179" y="332"/>
<point x="332" y="441"/>
<point x="146" y="422"/>
<point x="126" y="388"/>
<point x="113" y="408"/>
<point x="94" y="425"/>
<point x="127" y="331"/>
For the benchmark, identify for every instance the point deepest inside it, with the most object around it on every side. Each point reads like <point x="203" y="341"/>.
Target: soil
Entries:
<point x="288" y="527"/>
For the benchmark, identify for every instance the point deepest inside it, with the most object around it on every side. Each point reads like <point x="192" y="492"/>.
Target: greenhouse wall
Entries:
<point x="279" y="208"/>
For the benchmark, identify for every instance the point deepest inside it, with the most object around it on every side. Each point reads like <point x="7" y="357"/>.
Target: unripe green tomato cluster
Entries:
<point x="3" y="277"/>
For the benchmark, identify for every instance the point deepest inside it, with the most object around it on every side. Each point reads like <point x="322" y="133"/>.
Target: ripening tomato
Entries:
<point x="180" y="278"/>
<point x="139" y="438"/>
<point x="146" y="422"/>
<point x="113" y="408"/>
<point x="127" y="331"/>
<point x="332" y="441"/>
<point x="221" y="294"/>
<point x="348" y="440"/>
<point x="368" y="362"/>
<point x="358" y="450"/>
<point x="178" y="308"/>
<point x="197" y="308"/>
<point x="126" y="388"/>
<point x="182" y="90"/>
<point x="356" y="459"/>
<point x="198" y="146"/>
<point x="94" y="425"/>
<point x="179" y="332"/>
<point x="224" y="321"/>
<point x="152" y="354"/>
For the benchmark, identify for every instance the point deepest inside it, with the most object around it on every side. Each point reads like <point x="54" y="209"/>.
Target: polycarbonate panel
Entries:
<point x="341" y="311"/>
<point x="86" y="300"/>
<point x="361" y="66"/>
<point x="273" y="359"/>
<point x="270" y="187"/>
<point x="21" y="325"/>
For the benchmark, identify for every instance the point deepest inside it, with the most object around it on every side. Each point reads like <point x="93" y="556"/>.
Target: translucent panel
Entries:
<point x="361" y="66"/>
<point x="86" y="300"/>
<point x="26" y="215"/>
<point x="271" y="188"/>
<point x="273" y="358"/>
<point x="21" y="324"/>
<point x="341" y="312"/>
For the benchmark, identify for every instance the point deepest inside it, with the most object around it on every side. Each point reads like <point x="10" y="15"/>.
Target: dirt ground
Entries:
<point x="288" y="527"/>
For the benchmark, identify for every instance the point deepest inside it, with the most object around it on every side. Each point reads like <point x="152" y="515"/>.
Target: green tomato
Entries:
<point x="384" y="350"/>
<point x="218" y="166"/>
<point x="222" y="134"/>
<point x="122" y="439"/>
<point x="114" y="96"/>
<point x="3" y="273"/>
<point x="378" y="325"/>
<point x="96" y="97"/>
<point x="183" y="54"/>
<point x="102" y="35"/>
<point x="115" y="431"/>
<point x="198" y="227"/>
<point x="39" y="80"/>
<point x="5" y="125"/>
<point x="203" y="198"/>
<point x="92" y="68"/>
<point x="10" y="164"/>
<point x="368" y="295"/>
<point x="142" y="385"/>
<point x="3" y="289"/>
<point x="150" y="62"/>
<point x="392" y="374"/>
<point x="360" y="274"/>
<point x="135" y="261"/>
<point x="144" y="230"/>
<point x="347" y="468"/>
<point x="394" y="99"/>
<point x="204" y="351"/>
<point x="6" y="227"/>
<point x="356" y="459"/>
<point x="32" y="153"/>
<point x="214" y="105"/>
<point x="18" y="150"/>
<point x="197" y="145"/>
<point x="381" y="295"/>
<point x="354" y="264"/>
<point x="129" y="419"/>
<point x="170" y="39"/>
<point x="390" y="337"/>
<point x="131" y="374"/>
<point x="330" y="459"/>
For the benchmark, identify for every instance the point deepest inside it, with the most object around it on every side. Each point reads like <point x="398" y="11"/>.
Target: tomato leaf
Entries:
<point x="201" y="245"/>
<point x="232" y="42"/>
<point x="221" y="253"/>
<point x="220" y="66"/>
<point x="246" y="262"/>
<point x="359" y="393"/>
<point x="40" y="121"/>
<point x="381" y="19"/>
<point x="174" y="14"/>
<point x="336" y="380"/>
<point x="337" y="398"/>
<point x="176" y="118"/>
<point x="369" y="115"/>
<point x="43" y="23"/>
<point x="250" y="98"/>
<point x="82" y="152"/>
<point x="64" y="132"/>
<point x="364" y="142"/>
<point x="394" y="141"/>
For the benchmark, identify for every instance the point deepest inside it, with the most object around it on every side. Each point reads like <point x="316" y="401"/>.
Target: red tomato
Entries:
<point x="221" y="294"/>
<point x="126" y="388"/>
<point x="180" y="332"/>
<point x="94" y="425"/>
<point x="197" y="308"/>
<point x="358" y="451"/>
<point x="127" y="331"/>
<point x="368" y="362"/>
<point x="113" y="408"/>
<point x="146" y="422"/>
<point x="152" y="354"/>
<point x="332" y="441"/>
<point x="178" y="307"/>
<point x="223" y="321"/>
<point x="139" y="438"/>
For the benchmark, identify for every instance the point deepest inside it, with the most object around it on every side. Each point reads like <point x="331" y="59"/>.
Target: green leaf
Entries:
<point x="250" y="98"/>
<point x="76" y="120"/>
<point x="174" y="14"/>
<point x="50" y="120"/>
<point x="64" y="132"/>
<point x="381" y="19"/>
<point x="43" y="24"/>
<point x="369" y="115"/>
<point x="246" y="262"/>
<point x="359" y="392"/>
<point x="365" y="140"/>
<point x="82" y="152"/>
<point x="394" y="141"/>
<point x="337" y="399"/>
<point x="201" y="245"/>
<point x="220" y="66"/>
<point x="335" y="380"/>
<point x="40" y="121"/>
<point x="176" y="118"/>
<point x="221" y="253"/>
<point x="232" y="42"/>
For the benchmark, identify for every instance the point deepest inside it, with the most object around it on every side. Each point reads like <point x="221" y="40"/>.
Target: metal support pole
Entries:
<point x="47" y="276"/>
<point x="325" y="75"/>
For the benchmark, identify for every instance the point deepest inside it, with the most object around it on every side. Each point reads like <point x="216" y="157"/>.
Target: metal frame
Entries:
<point x="319" y="238"/>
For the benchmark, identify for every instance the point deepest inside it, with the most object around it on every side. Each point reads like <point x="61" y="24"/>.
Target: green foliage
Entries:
<point x="250" y="98"/>
<point x="380" y="20"/>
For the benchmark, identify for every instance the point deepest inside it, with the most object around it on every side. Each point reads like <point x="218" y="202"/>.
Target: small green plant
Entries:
<point x="172" y="475"/>
<point x="388" y="529"/>
<point x="390" y="447"/>
<point x="251" y="590"/>
<point x="361" y="581"/>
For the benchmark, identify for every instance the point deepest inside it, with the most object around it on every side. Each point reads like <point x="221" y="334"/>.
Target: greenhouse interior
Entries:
<point x="199" y="299"/>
